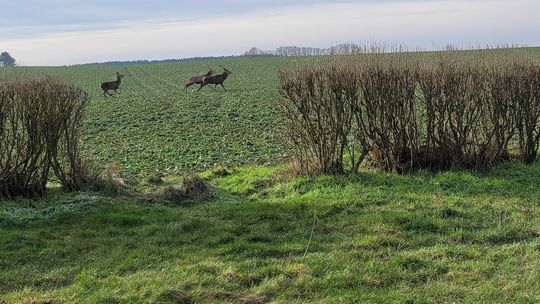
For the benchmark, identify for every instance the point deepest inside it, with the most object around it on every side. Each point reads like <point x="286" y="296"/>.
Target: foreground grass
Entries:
<point x="372" y="237"/>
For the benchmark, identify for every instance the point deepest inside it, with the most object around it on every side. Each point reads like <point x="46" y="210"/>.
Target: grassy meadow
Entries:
<point x="265" y="236"/>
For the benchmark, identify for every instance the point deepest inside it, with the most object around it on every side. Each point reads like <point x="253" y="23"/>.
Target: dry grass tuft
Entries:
<point x="192" y="189"/>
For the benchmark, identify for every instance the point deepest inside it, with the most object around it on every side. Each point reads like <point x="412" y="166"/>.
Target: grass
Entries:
<point x="449" y="237"/>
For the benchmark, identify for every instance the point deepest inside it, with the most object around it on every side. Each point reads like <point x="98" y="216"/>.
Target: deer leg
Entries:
<point x="202" y="85"/>
<point x="223" y="86"/>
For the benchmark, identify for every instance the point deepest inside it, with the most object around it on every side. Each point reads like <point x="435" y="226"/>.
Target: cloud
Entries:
<point x="36" y="13"/>
<point x="416" y="23"/>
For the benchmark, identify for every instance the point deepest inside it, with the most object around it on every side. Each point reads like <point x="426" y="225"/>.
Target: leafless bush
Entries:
<point x="501" y="110"/>
<point x="455" y="98"/>
<point x="526" y="96"/>
<point x="39" y="131"/>
<point x="24" y="163"/>
<point x="317" y="103"/>
<point x="386" y="114"/>
<point x="67" y="104"/>
<point x="412" y="111"/>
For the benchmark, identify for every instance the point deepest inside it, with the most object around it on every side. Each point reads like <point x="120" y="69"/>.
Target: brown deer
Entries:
<point x="215" y="79"/>
<point x="112" y="85"/>
<point x="197" y="79"/>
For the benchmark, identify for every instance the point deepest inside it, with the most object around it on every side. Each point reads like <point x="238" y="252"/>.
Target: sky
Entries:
<point x="64" y="32"/>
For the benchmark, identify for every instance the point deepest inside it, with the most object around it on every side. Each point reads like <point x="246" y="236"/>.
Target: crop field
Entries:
<point x="264" y="234"/>
<point x="153" y="124"/>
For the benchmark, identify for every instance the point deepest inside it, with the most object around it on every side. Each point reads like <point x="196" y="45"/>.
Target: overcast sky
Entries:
<point x="58" y="32"/>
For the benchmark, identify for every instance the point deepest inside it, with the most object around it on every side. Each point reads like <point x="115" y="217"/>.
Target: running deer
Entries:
<point x="215" y="79"/>
<point x="197" y="79"/>
<point x="112" y="85"/>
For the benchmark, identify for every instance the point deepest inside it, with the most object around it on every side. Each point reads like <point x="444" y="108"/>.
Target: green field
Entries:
<point x="265" y="236"/>
<point x="154" y="125"/>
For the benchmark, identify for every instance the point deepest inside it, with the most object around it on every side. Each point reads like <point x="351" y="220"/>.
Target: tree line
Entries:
<point x="340" y="49"/>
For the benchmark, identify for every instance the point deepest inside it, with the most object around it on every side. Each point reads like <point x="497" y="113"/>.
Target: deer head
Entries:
<point x="226" y="71"/>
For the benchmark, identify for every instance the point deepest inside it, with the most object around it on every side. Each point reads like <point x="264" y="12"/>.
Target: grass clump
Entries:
<point x="156" y="179"/>
<point x="192" y="188"/>
<point x="195" y="188"/>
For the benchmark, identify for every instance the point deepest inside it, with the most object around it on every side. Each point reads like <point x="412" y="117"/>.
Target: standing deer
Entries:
<point x="215" y="79"/>
<point x="197" y="79"/>
<point x="112" y="85"/>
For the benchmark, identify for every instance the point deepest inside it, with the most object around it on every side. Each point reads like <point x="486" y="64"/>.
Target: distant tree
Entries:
<point x="299" y="51"/>
<point x="6" y="59"/>
<point x="252" y="52"/>
<point x="347" y="49"/>
<point x="256" y="52"/>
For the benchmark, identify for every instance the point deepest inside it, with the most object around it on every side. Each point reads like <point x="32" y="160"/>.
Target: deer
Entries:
<point x="197" y="79"/>
<point x="112" y="85"/>
<point x="215" y="79"/>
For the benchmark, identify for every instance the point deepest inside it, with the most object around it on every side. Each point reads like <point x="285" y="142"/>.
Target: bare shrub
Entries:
<point x="386" y="114"/>
<point x="67" y="104"/>
<point x="39" y="131"/>
<point x="476" y="106"/>
<point x="455" y="98"/>
<point x="24" y="162"/>
<point x="502" y="110"/>
<point x="526" y="96"/>
<point x="317" y="103"/>
<point x="434" y="111"/>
